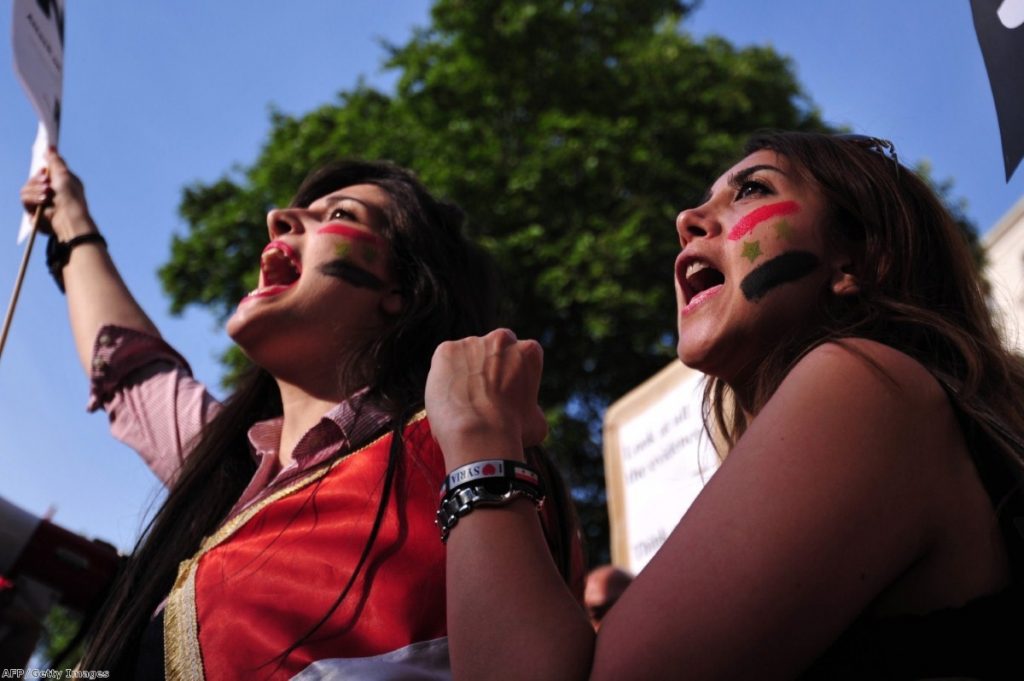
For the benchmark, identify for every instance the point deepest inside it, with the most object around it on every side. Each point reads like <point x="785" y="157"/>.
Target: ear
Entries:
<point x="392" y="302"/>
<point x="845" y="281"/>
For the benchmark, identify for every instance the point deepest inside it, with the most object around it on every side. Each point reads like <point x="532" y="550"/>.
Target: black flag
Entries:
<point x="1000" y="28"/>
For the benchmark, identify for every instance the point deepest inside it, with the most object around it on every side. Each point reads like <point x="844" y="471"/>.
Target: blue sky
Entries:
<point x="160" y="95"/>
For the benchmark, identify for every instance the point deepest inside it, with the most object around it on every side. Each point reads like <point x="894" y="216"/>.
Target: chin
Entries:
<point x="692" y="356"/>
<point x="246" y="334"/>
<point x="249" y="322"/>
<point x="232" y="327"/>
<point x="705" y="358"/>
<point x="236" y="328"/>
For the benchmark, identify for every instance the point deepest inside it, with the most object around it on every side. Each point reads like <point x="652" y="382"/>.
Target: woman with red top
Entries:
<point x="867" y="520"/>
<point x="298" y="535"/>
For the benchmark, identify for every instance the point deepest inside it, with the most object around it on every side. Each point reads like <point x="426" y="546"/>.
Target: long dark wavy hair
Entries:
<point x="449" y="288"/>
<point x="920" y="292"/>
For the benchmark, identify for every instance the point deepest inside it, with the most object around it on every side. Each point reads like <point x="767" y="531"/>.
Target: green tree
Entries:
<point x="572" y="131"/>
<point x="58" y="648"/>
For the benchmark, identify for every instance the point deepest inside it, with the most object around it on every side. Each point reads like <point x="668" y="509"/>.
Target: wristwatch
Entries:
<point x="59" y="252"/>
<point x="463" y="500"/>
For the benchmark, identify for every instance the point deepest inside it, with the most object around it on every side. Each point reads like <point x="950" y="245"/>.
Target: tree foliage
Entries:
<point x="572" y="132"/>
<point x="60" y="629"/>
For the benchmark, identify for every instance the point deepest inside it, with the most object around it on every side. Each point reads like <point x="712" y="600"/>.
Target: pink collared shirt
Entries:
<point x="158" y="409"/>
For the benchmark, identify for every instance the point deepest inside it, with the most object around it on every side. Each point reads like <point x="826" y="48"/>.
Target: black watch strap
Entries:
<point x="58" y="253"/>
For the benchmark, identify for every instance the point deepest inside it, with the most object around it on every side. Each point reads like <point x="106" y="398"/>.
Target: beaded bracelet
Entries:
<point x="490" y="469"/>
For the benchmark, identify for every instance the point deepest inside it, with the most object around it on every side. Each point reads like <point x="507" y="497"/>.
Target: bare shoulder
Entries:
<point x="831" y="496"/>
<point x="873" y="374"/>
<point x="861" y="409"/>
<point x="881" y="408"/>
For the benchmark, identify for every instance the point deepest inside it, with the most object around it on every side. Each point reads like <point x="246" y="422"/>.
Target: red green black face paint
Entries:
<point x="784" y="230"/>
<point x="781" y="269"/>
<point x="752" y="250"/>
<point x="755" y="217"/>
<point x="352" y="233"/>
<point x="353" y="274"/>
<point x="356" y="255"/>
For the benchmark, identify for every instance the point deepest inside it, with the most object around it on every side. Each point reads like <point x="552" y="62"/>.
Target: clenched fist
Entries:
<point x="481" y="397"/>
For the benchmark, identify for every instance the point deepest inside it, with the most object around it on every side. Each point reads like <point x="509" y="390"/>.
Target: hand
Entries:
<point x="62" y="196"/>
<point x="481" y="397"/>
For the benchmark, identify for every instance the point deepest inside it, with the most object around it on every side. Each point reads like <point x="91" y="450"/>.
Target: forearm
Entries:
<point x="95" y="292"/>
<point x="97" y="296"/>
<point x="510" y="614"/>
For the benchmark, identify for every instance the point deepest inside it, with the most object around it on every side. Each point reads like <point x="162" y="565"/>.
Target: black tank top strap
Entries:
<point x="988" y="440"/>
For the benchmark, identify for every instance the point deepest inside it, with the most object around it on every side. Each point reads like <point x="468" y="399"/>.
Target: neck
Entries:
<point x="301" y="410"/>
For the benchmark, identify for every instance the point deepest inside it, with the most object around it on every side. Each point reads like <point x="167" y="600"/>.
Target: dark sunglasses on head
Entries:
<point x="873" y="144"/>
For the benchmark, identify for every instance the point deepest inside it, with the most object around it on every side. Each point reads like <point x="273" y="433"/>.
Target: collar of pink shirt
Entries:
<point x="346" y="427"/>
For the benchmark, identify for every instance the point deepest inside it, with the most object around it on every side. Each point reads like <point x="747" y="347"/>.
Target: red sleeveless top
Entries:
<point x="264" y="579"/>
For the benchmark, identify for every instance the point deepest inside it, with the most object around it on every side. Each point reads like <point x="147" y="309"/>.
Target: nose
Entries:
<point x="694" y="223"/>
<point x="281" y="221"/>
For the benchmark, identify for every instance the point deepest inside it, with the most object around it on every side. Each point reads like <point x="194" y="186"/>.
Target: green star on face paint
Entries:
<point x="784" y="230"/>
<point x="751" y="250"/>
<point x="343" y="250"/>
<point x="370" y="254"/>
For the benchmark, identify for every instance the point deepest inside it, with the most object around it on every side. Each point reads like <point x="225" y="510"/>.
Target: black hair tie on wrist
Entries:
<point x="58" y="253"/>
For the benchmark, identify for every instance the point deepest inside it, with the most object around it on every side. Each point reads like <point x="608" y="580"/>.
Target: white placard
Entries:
<point x="39" y="148"/>
<point x="37" y="34"/>
<point x="661" y="459"/>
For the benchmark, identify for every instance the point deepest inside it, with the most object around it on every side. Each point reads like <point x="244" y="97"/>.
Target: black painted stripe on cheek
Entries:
<point x="353" y="274"/>
<point x="779" y="270"/>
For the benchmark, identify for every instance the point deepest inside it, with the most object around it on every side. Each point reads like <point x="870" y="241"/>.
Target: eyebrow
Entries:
<point x="374" y="212"/>
<point x="741" y="176"/>
<point x="335" y="199"/>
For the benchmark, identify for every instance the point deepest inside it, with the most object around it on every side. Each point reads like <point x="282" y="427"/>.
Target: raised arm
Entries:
<point x="510" y="614"/>
<point x="96" y="294"/>
<point x="154" y="404"/>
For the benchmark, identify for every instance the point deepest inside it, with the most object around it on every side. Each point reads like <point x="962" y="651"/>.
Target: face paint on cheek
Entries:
<point x="751" y="250"/>
<point x="755" y="217"/>
<point x="343" y="250"/>
<point x="370" y="254"/>
<point x="784" y="230"/>
<point x="353" y="234"/>
<point x="359" y="250"/>
<point x="364" y="254"/>
<point x="783" y="269"/>
<point x="353" y="274"/>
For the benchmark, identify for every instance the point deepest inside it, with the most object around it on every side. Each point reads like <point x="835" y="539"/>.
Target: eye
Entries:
<point x="750" y="188"/>
<point x="342" y="213"/>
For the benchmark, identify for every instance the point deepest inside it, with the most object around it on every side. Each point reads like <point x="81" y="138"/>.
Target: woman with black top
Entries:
<point x="866" y="521"/>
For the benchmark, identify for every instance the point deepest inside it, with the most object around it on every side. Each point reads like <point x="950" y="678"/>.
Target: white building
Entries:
<point x="1004" y="246"/>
